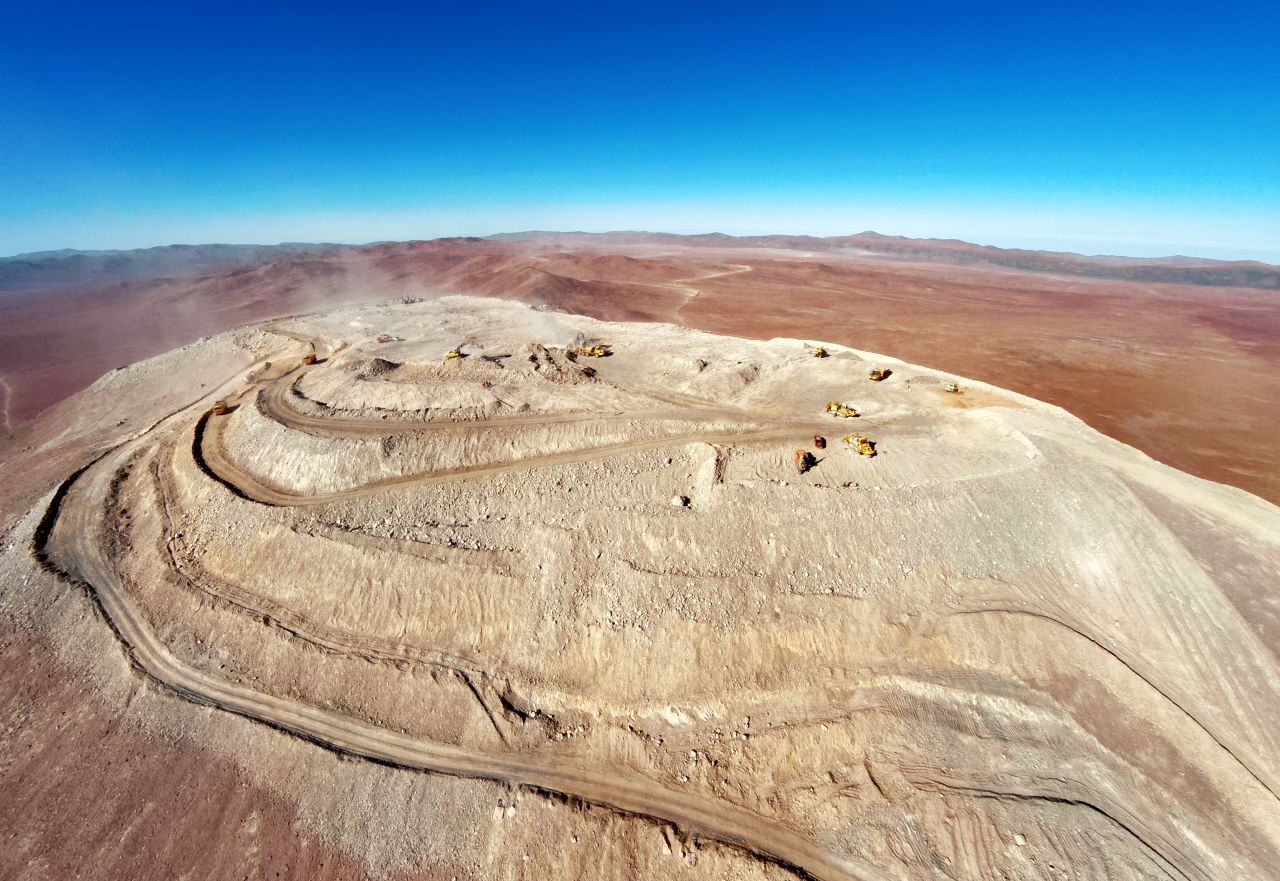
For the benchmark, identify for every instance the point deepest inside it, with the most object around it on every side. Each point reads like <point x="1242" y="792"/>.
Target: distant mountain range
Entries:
<point x="69" y="268"/>
<point x="1166" y="270"/>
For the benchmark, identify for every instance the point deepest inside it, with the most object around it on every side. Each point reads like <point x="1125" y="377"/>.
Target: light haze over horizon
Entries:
<point x="1139" y="130"/>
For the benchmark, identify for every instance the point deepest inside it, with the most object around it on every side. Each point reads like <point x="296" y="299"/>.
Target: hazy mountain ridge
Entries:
<point x="68" y="267"/>
<point x="39" y="269"/>
<point x="1157" y="270"/>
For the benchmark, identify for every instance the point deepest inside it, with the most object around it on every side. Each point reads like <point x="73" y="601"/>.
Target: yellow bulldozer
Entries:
<point x="844" y="411"/>
<point x="599" y="350"/>
<point x="879" y="373"/>
<point x="454" y="353"/>
<point x="863" y="445"/>
<point x="819" y="352"/>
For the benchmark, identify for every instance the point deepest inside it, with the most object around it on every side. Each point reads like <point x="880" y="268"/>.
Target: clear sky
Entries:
<point x="1137" y="128"/>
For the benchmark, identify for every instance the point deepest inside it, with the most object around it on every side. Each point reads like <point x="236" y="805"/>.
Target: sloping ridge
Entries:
<point x="70" y="542"/>
<point x="76" y="549"/>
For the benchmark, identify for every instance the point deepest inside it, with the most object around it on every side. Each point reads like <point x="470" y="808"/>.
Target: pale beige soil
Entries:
<point x="1006" y="646"/>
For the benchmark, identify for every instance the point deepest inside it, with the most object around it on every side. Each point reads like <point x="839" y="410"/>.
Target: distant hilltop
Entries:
<point x="63" y="268"/>
<point x="41" y="269"/>
<point x="1162" y="270"/>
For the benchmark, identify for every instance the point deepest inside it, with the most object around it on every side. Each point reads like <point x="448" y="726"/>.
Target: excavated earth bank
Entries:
<point x="588" y="619"/>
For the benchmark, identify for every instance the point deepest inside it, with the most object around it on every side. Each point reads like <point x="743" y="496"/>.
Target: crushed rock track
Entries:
<point x="77" y="551"/>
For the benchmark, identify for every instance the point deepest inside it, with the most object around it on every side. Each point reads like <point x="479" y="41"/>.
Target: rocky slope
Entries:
<point x="598" y="595"/>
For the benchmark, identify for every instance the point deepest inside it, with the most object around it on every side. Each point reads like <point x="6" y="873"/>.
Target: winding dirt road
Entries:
<point x="76" y="547"/>
<point x="274" y="401"/>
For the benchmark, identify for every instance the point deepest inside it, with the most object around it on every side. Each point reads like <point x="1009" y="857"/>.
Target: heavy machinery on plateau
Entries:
<point x="595" y="350"/>
<point x="878" y="374"/>
<point x="860" y="443"/>
<point x="819" y="352"/>
<point x="844" y="411"/>
<point x="454" y="353"/>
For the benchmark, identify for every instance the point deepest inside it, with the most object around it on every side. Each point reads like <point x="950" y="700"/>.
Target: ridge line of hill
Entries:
<point x="50" y="269"/>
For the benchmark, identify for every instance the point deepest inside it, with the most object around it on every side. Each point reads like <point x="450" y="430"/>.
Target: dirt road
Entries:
<point x="76" y="548"/>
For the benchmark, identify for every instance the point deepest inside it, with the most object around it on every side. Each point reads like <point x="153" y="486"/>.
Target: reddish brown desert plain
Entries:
<point x="520" y="558"/>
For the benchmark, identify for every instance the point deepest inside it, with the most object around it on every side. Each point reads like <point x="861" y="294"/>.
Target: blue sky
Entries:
<point x="1137" y="128"/>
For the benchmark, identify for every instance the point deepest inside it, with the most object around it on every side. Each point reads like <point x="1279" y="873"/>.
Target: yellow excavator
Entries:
<point x="861" y="443"/>
<point x="599" y="350"/>
<point x="844" y="411"/>
<point x="454" y="353"/>
<point x="820" y="352"/>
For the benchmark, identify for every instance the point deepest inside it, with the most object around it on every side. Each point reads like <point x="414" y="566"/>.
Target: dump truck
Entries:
<point x="860" y="443"/>
<point x="804" y="461"/>
<point x="820" y="442"/>
<point x="219" y="408"/>
<point x="879" y="373"/>
<point x="599" y="350"/>
<point x="844" y="411"/>
<point x="309" y="358"/>
<point x="953" y="387"/>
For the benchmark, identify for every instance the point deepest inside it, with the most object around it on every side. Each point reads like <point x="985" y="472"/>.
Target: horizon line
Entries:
<point x="49" y="253"/>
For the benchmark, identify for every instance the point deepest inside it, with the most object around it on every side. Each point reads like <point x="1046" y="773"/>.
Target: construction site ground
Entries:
<point x="587" y="619"/>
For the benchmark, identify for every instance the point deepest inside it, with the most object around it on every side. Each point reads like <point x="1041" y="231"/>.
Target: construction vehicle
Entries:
<point x="820" y="442"/>
<point x="844" y="411"/>
<point x="861" y="443"/>
<point x="879" y="373"/>
<point x="219" y="408"/>
<point x="804" y="461"/>
<point x="599" y="350"/>
<point x="820" y="352"/>
<point x="953" y="387"/>
<point x="309" y="358"/>
<point x="454" y="353"/>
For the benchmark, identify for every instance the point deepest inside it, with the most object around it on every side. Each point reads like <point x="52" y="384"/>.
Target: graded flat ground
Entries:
<point x="588" y="618"/>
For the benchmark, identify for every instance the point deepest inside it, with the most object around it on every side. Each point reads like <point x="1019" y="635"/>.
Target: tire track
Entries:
<point x="71" y="541"/>
<point x="75" y="546"/>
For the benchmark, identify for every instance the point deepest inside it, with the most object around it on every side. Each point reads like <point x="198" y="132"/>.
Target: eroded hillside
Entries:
<point x="588" y="617"/>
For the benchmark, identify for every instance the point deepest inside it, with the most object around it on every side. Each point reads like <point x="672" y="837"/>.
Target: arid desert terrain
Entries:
<point x="308" y="597"/>
<point x="1179" y="358"/>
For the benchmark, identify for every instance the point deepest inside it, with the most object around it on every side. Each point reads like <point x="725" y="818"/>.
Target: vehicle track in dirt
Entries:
<point x="73" y="540"/>
<point x="273" y="399"/>
<point x="250" y="486"/>
<point x="275" y="402"/>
